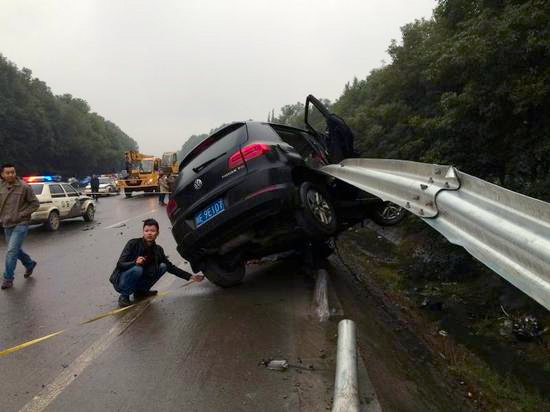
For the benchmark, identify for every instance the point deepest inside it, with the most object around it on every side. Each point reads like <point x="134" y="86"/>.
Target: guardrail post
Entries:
<point x="321" y="295"/>
<point x="346" y="392"/>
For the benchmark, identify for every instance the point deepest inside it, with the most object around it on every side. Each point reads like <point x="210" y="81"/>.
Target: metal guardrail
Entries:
<point x="507" y="231"/>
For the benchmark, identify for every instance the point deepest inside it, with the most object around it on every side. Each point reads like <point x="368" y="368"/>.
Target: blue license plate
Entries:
<point x="208" y="213"/>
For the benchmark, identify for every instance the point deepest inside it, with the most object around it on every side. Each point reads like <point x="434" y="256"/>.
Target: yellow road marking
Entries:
<point x="95" y="318"/>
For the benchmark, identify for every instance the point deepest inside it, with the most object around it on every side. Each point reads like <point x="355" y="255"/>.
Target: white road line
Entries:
<point x="65" y="378"/>
<point x="127" y="220"/>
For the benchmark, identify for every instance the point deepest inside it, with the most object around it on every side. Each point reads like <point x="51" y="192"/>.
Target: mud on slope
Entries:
<point x="454" y="320"/>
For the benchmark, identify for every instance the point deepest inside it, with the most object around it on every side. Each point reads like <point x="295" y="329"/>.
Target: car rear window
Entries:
<point x="37" y="188"/>
<point x="229" y="137"/>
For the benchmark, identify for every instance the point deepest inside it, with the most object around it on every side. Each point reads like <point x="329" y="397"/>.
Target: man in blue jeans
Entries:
<point x="141" y="264"/>
<point x="17" y="202"/>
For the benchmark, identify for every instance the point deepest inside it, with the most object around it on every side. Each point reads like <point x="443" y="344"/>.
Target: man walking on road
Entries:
<point x="94" y="185"/>
<point x="141" y="264"/>
<point x="17" y="202"/>
<point x="163" y="187"/>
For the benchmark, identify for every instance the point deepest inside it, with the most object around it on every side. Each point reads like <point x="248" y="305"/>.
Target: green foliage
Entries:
<point x="470" y="87"/>
<point x="43" y="133"/>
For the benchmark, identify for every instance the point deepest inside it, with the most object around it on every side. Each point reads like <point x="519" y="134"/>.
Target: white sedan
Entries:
<point x="106" y="186"/>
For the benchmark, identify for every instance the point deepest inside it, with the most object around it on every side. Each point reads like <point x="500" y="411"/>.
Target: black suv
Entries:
<point x="253" y="189"/>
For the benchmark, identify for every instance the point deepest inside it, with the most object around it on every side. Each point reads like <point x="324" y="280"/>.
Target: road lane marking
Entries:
<point x="47" y="395"/>
<point x="95" y="318"/>
<point x="52" y="390"/>
<point x="132" y="218"/>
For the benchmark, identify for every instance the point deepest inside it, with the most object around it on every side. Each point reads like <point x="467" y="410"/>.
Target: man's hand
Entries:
<point x="197" y="278"/>
<point x="140" y="260"/>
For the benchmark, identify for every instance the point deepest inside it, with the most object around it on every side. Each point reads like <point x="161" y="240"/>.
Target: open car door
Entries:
<point x="331" y="129"/>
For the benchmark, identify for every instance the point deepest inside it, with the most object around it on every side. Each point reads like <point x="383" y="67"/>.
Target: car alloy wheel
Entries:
<point x="53" y="222"/>
<point x="317" y="217"/>
<point x="319" y="206"/>
<point x="388" y="214"/>
<point x="89" y="214"/>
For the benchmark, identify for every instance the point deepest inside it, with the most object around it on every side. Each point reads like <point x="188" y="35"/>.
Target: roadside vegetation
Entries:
<point x="469" y="317"/>
<point x="46" y="134"/>
<point x="471" y="88"/>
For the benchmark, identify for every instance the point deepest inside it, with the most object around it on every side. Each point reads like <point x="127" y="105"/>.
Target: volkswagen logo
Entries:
<point x="198" y="184"/>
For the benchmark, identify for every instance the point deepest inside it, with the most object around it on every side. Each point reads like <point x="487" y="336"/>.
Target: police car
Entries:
<point x="58" y="201"/>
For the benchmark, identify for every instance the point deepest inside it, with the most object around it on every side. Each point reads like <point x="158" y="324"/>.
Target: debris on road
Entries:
<point x="274" y="364"/>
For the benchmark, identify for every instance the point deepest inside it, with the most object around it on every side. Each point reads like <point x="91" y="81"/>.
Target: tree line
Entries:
<point x="469" y="87"/>
<point x="46" y="134"/>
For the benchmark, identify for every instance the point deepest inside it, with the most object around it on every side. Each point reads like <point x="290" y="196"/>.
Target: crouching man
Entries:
<point x="141" y="264"/>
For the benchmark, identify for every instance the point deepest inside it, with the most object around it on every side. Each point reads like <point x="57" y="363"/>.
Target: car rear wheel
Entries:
<point x="53" y="222"/>
<point x="90" y="213"/>
<point x="387" y="214"/>
<point x="318" y="217"/>
<point x="223" y="276"/>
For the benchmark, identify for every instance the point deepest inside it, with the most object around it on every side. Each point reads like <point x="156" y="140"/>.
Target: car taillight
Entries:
<point x="247" y="153"/>
<point x="171" y="207"/>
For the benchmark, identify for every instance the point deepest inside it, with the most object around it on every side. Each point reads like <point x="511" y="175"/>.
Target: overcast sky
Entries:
<point x="164" y="70"/>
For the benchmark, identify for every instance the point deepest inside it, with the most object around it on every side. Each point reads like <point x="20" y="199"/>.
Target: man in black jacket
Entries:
<point x="94" y="186"/>
<point x="141" y="264"/>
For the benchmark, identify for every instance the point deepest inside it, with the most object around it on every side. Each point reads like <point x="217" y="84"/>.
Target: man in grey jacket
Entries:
<point x="17" y="202"/>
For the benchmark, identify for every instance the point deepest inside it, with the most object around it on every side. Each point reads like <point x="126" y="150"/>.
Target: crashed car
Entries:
<point x="254" y="189"/>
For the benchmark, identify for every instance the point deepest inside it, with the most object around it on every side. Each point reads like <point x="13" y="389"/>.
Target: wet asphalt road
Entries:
<point x="196" y="348"/>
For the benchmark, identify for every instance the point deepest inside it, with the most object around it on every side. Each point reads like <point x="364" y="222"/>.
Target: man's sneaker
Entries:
<point x="145" y="295"/>
<point x="7" y="283"/>
<point x="29" y="270"/>
<point x="124" y="301"/>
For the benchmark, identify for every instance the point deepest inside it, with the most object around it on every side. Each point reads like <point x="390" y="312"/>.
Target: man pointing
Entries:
<point x="141" y="264"/>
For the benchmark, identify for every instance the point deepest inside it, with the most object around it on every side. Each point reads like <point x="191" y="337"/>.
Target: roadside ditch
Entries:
<point x="458" y="336"/>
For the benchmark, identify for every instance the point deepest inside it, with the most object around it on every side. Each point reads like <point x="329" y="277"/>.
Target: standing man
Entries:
<point x="163" y="187"/>
<point x="17" y="202"/>
<point x="141" y="264"/>
<point x="94" y="185"/>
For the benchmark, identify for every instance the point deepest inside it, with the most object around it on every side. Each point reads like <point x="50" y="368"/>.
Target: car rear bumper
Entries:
<point x="258" y="197"/>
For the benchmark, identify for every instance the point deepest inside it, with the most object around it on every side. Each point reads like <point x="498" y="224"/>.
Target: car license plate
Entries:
<point x="208" y="213"/>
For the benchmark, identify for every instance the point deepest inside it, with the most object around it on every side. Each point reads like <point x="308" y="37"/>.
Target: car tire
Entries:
<point x="317" y="216"/>
<point x="387" y="214"/>
<point x="53" y="222"/>
<point x="222" y="276"/>
<point x="89" y="214"/>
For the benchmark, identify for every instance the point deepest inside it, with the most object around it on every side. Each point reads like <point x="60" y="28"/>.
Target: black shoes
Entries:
<point x="29" y="270"/>
<point x="145" y="295"/>
<point x="124" y="301"/>
<point x="7" y="283"/>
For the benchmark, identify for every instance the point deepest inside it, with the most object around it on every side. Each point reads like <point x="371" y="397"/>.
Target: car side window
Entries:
<point x="71" y="192"/>
<point x="57" y="191"/>
<point x="296" y="140"/>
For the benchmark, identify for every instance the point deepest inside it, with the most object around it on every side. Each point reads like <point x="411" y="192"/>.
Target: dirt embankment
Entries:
<point x="484" y="339"/>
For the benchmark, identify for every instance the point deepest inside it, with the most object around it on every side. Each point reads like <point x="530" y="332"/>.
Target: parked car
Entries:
<point x="253" y="189"/>
<point x="85" y="181"/>
<point x="107" y="185"/>
<point x="59" y="201"/>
